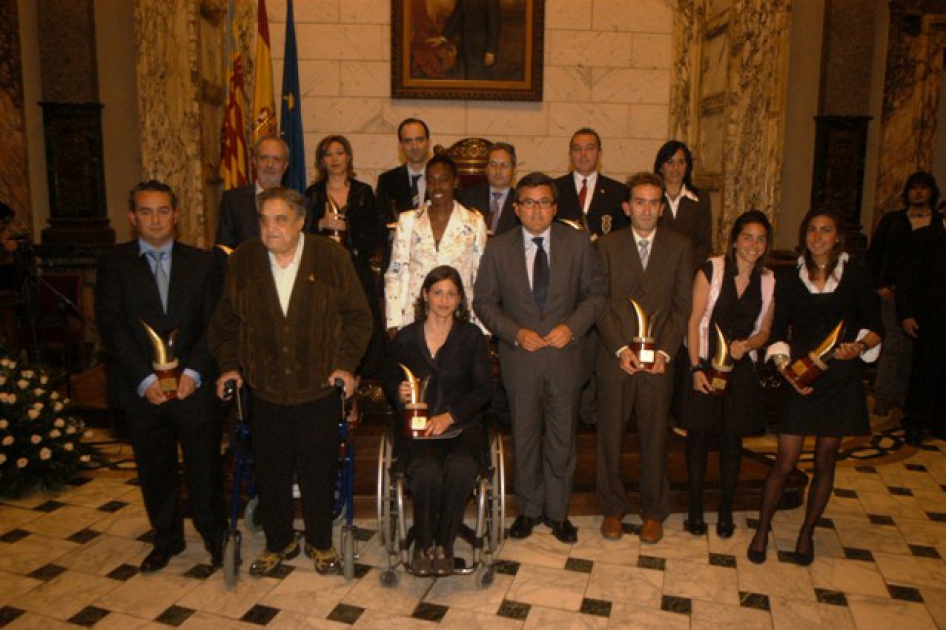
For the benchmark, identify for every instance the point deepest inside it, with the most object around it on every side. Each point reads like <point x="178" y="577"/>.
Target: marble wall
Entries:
<point x="14" y="176"/>
<point x="608" y="65"/>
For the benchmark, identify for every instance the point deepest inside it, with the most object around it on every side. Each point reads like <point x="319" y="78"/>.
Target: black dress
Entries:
<point x="838" y="405"/>
<point x="738" y="411"/>
<point x="365" y="235"/>
<point x="441" y="473"/>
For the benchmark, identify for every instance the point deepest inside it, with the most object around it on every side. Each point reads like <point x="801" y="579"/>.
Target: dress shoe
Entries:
<point x="697" y="527"/>
<point x="804" y="558"/>
<point x="214" y="546"/>
<point x="725" y="529"/>
<point x="651" y="532"/>
<point x="564" y="531"/>
<point x="612" y="527"/>
<point x="756" y="556"/>
<point x="159" y="558"/>
<point x="420" y="562"/>
<point x="522" y="527"/>
<point x="442" y="561"/>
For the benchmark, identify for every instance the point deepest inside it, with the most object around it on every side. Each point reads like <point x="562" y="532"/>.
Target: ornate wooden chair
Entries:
<point x="470" y="156"/>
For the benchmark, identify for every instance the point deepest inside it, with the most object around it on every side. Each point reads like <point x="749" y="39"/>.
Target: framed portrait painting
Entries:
<point x="467" y="49"/>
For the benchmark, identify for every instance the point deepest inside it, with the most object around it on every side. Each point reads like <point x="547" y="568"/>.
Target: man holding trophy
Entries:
<point x="649" y="279"/>
<point x="154" y="298"/>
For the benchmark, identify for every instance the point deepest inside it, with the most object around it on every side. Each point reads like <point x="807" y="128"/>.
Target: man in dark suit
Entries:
<point x="494" y="198"/>
<point x="404" y="187"/>
<point x="168" y="286"/>
<point x="594" y="201"/>
<point x="292" y="320"/>
<point x="238" y="220"/>
<point x="587" y="196"/>
<point x="651" y="266"/>
<point x="539" y="291"/>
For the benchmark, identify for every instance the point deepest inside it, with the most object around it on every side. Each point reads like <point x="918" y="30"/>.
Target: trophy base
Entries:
<point x="169" y="379"/>
<point x="415" y="420"/>
<point x="718" y="377"/>
<point x="646" y="350"/>
<point x="806" y="370"/>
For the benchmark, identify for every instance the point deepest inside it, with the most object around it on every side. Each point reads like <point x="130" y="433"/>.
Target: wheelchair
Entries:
<point x="343" y="510"/>
<point x="485" y="538"/>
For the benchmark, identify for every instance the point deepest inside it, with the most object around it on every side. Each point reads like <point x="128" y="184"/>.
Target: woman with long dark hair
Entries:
<point x="688" y="210"/>
<point x="443" y="345"/>
<point x="828" y="288"/>
<point x="345" y="210"/>
<point x="732" y="293"/>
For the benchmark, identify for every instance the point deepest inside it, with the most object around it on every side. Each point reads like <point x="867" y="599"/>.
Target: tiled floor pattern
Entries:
<point x="71" y="560"/>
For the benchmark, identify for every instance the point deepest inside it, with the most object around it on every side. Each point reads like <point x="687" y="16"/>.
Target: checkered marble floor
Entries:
<point x="71" y="560"/>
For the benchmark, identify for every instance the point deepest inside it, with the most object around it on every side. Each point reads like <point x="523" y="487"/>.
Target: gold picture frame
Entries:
<point x="467" y="49"/>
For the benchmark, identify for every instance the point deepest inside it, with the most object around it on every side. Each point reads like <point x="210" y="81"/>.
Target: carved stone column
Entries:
<point x="14" y="178"/>
<point x="728" y="100"/>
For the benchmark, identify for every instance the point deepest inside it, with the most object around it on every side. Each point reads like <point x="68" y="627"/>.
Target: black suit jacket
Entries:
<point x="478" y="198"/>
<point x="394" y="193"/>
<point x="238" y="220"/>
<point x="365" y="230"/>
<point x="606" y="200"/>
<point x="126" y="292"/>
<point x="694" y="220"/>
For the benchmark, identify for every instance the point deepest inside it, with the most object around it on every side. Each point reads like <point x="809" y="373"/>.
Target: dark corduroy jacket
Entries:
<point x="287" y="359"/>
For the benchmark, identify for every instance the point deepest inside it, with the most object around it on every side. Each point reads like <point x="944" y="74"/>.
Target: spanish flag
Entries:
<point x="264" y="105"/>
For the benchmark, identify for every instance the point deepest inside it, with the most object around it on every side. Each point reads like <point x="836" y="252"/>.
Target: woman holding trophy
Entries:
<point x="827" y="321"/>
<point x="440" y="379"/>
<point x="730" y="321"/>
<point x="345" y="211"/>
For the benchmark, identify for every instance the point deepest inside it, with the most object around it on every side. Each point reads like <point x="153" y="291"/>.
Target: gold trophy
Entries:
<point x="337" y="234"/>
<point x="806" y="369"/>
<point x="415" y="410"/>
<point x="720" y="368"/>
<point x="165" y="364"/>
<point x="644" y="345"/>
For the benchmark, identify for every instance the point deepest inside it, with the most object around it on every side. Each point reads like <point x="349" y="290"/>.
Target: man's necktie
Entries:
<point x="540" y="273"/>
<point x="494" y="210"/>
<point x="643" y="247"/>
<point x="161" y="277"/>
<point x="415" y="191"/>
<point x="582" y="195"/>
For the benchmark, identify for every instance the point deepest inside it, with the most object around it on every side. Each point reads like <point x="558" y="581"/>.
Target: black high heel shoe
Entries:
<point x="725" y="529"/>
<point x="695" y="526"/>
<point x="804" y="559"/>
<point x="758" y="557"/>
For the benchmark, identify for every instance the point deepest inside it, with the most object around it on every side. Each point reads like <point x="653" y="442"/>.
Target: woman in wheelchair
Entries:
<point x="441" y="466"/>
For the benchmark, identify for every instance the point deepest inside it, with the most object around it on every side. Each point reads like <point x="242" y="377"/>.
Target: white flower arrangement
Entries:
<point x="40" y="442"/>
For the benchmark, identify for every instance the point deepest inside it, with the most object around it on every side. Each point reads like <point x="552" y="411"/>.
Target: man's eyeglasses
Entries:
<point x="528" y="204"/>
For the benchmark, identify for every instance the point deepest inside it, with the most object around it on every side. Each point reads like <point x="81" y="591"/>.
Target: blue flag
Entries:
<point x="291" y="119"/>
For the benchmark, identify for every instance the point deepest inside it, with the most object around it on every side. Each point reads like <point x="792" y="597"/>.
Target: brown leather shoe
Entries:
<point x="651" y="532"/>
<point x="612" y="528"/>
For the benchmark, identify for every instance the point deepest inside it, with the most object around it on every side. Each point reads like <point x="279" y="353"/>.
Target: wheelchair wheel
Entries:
<point x="251" y="516"/>
<point x="389" y="578"/>
<point x="497" y="530"/>
<point x="231" y="560"/>
<point x="387" y="523"/>
<point x="348" y="553"/>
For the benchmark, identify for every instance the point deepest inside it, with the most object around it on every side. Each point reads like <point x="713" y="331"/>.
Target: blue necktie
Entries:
<point x="161" y="277"/>
<point x="540" y="273"/>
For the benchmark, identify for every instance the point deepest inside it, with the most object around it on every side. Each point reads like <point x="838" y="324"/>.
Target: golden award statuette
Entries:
<point x="415" y="410"/>
<point x="721" y="365"/>
<point x="338" y="233"/>
<point x="644" y="345"/>
<point x="806" y="369"/>
<point x="165" y="364"/>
